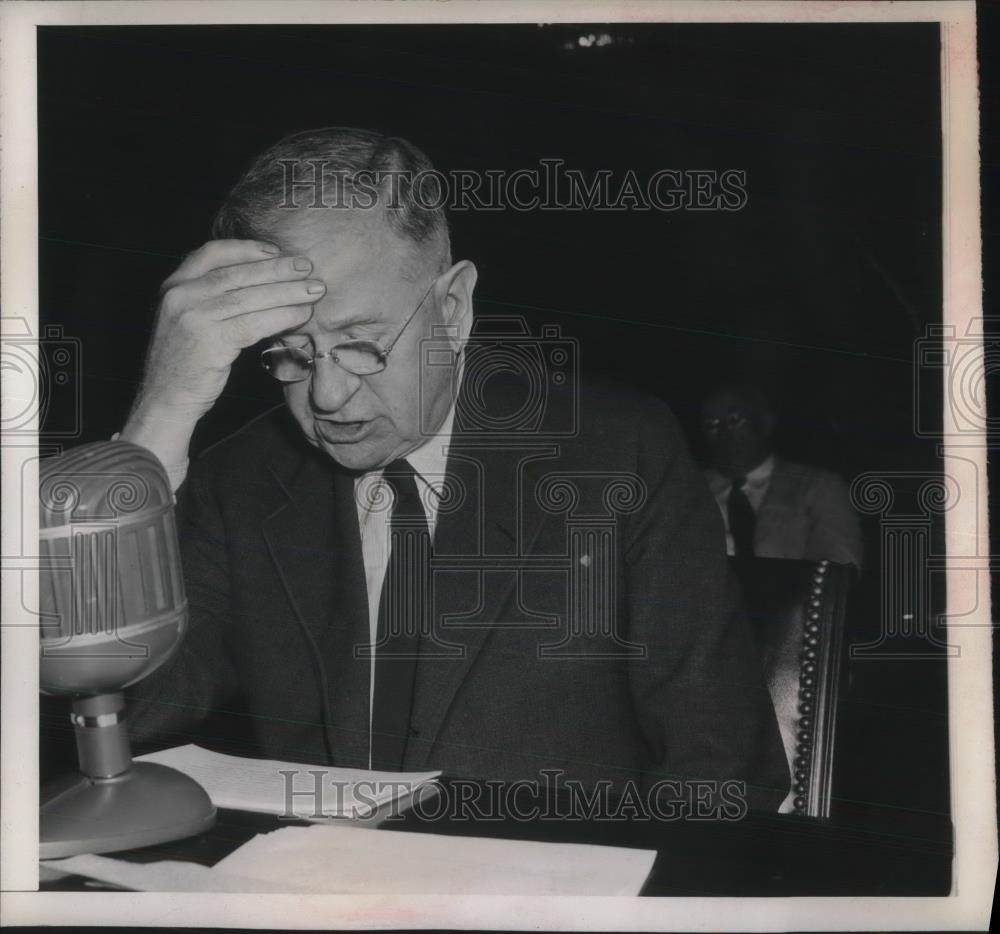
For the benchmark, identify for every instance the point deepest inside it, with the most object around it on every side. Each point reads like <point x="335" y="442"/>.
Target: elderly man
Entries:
<point x="420" y="560"/>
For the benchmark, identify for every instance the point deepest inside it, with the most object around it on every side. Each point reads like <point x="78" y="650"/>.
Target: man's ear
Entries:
<point x="455" y="288"/>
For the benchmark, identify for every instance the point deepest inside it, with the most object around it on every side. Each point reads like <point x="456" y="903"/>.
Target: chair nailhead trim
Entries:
<point x="807" y="683"/>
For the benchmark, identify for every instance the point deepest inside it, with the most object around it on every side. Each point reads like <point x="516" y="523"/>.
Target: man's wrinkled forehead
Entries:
<point x="341" y="241"/>
<point x="361" y="261"/>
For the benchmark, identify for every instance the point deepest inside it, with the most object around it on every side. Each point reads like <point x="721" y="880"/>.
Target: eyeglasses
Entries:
<point x="360" y="357"/>
<point x="730" y="420"/>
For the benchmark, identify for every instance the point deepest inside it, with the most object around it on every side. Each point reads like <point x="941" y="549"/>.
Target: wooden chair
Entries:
<point x="797" y="610"/>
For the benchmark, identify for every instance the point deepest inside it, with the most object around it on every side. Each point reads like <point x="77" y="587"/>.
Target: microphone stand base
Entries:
<point x="146" y="805"/>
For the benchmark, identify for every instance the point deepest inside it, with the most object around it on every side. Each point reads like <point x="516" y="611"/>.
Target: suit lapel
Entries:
<point x="770" y="514"/>
<point x="300" y="537"/>
<point x="314" y="542"/>
<point x="345" y="651"/>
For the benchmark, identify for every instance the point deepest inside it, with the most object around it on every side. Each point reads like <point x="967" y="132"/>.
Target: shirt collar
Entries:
<point x="720" y="483"/>
<point x="762" y="472"/>
<point x="429" y="460"/>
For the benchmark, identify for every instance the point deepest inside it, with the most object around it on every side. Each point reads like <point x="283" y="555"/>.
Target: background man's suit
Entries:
<point x="276" y="586"/>
<point x="807" y="513"/>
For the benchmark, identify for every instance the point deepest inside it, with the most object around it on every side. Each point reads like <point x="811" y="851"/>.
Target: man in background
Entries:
<point x="772" y="507"/>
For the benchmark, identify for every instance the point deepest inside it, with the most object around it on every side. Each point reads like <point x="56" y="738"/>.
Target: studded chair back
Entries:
<point x="797" y="610"/>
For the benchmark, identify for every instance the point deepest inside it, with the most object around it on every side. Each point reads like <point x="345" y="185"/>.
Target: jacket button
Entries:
<point x="414" y="731"/>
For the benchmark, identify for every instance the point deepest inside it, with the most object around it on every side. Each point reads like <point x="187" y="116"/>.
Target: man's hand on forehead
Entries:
<point x="225" y="296"/>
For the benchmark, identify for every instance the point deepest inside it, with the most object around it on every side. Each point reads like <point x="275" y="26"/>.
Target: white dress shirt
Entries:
<point x="758" y="481"/>
<point x="374" y="498"/>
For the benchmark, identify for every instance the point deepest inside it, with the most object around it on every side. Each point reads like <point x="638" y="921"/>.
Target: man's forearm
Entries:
<point x="167" y="434"/>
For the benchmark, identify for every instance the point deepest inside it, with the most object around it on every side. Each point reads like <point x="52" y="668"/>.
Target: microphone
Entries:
<point x="113" y="609"/>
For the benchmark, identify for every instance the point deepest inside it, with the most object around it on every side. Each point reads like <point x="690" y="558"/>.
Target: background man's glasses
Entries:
<point x="730" y="421"/>
<point x="360" y="357"/>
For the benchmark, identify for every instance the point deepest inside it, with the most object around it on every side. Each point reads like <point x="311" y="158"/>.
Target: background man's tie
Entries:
<point x="404" y="610"/>
<point x="742" y="519"/>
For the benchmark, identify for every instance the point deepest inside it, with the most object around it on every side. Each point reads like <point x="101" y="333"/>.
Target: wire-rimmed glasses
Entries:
<point x="360" y="357"/>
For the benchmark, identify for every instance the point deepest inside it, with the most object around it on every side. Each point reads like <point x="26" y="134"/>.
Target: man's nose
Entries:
<point x="331" y="386"/>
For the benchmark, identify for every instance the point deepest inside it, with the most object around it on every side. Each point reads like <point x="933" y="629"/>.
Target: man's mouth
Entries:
<point x="341" y="432"/>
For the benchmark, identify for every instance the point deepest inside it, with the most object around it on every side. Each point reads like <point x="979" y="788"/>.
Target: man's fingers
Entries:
<point x="261" y="297"/>
<point x="247" y="329"/>
<point x="185" y="300"/>
<point x="219" y="253"/>
<point x="243" y="275"/>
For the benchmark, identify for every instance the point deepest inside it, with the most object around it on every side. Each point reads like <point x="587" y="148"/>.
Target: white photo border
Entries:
<point x="970" y="673"/>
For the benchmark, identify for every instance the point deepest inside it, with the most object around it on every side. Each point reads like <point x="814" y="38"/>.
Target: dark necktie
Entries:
<point x="403" y="613"/>
<point x="741" y="519"/>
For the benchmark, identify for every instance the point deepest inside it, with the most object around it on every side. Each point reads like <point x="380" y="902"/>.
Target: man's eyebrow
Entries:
<point x="357" y="321"/>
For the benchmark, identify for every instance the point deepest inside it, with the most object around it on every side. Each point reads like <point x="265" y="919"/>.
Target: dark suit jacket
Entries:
<point x="584" y="618"/>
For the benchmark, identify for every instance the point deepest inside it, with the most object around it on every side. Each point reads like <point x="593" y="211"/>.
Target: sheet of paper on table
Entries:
<point x="264" y="785"/>
<point x="344" y="859"/>
<point x="168" y="875"/>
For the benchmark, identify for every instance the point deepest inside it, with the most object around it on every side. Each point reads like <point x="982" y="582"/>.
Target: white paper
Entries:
<point x="342" y="859"/>
<point x="164" y="876"/>
<point x="259" y="785"/>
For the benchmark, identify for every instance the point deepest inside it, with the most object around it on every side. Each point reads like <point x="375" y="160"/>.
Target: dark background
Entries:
<point x="819" y="287"/>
